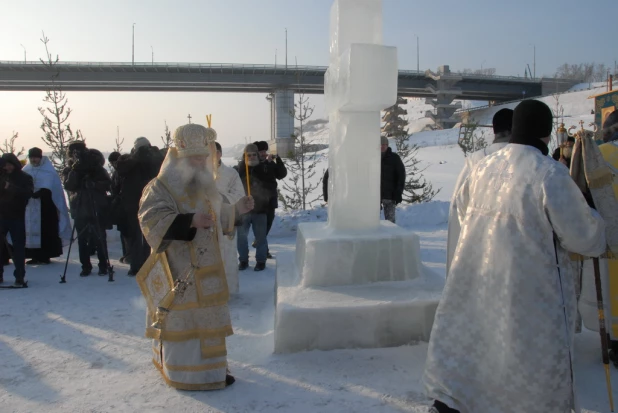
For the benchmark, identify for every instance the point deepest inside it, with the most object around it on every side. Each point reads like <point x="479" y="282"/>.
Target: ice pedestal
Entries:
<point x="352" y="290"/>
<point x="326" y="257"/>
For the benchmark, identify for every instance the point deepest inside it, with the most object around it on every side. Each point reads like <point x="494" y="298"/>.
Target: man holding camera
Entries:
<point x="16" y="189"/>
<point x="87" y="184"/>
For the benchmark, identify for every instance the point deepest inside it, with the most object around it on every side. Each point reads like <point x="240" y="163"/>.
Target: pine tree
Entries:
<point x="302" y="164"/>
<point x="57" y="132"/>
<point x="416" y="188"/>
<point x="167" y="138"/>
<point x="119" y="141"/>
<point x="9" y="146"/>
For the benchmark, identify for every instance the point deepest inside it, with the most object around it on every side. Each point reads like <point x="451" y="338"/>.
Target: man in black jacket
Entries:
<point x="16" y="188"/>
<point x="279" y="171"/>
<point x="393" y="180"/>
<point x="261" y="177"/>
<point x="87" y="184"/>
<point x="135" y="171"/>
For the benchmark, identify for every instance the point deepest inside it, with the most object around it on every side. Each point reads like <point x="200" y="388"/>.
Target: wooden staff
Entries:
<point x="602" y="330"/>
<point x="247" y="174"/>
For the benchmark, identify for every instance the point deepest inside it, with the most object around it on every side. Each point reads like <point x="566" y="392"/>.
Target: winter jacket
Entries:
<point x="135" y="171"/>
<point x="393" y="177"/>
<point x="87" y="184"/>
<point x="263" y="178"/>
<point x="14" y="198"/>
<point x="280" y="172"/>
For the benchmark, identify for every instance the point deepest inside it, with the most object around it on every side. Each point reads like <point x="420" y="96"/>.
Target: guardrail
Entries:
<point x="246" y="66"/>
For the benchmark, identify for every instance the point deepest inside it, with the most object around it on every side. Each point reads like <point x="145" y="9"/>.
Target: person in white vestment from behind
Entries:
<point x="503" y="335"/>
<point x="231" y="189"/>
<point x="502" y="123"/>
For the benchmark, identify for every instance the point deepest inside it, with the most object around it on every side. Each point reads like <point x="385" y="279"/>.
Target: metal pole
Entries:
<point x="24" y="52"/>
<point x="534" y="63"/>
<point x="286" y="48"/>
<point x="417" y="56"/>
<point x="152" y="50"/>
<point x="133" y="46"/>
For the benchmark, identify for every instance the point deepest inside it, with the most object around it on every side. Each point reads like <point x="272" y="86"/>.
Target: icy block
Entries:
<point x="354" y="21"/>
<point x="359" y="316"/>
<point x="327" y="257"/>
<point x="354" y="171"/>
<point x="363" y="80"/>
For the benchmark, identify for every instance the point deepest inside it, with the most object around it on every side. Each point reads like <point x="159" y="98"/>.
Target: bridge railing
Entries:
<point x="241" y="66"/>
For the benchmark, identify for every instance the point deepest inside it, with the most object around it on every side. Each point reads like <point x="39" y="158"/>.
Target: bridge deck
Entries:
<point x="199" y="77"/>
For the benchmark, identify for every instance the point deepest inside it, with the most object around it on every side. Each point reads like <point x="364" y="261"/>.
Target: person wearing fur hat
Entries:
<point x="506" y="321"/>
<point x="135" y="171"/>
<point x="48" y="226"/>
<point x="87" y="184"/>
<point x="261" y="176"/>
<point x="16" y="188"/>
<point x="502" y="123"/>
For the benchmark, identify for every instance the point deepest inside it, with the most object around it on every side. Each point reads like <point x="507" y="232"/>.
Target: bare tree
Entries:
<point x="57" y="131"/>
<point x="302" y="164"/>
<point x="583" y="72"/>
<point x="119" y="141"/>
<point x="9" y="146"/>
<point x="167" y="137"/>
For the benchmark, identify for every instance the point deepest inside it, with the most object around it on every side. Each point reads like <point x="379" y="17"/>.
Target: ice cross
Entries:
<point x="361" y="80"/>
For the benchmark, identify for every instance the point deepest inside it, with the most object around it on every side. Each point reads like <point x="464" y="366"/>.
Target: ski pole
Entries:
<point x="602" y="331"/>
<point x="66" y="264"/>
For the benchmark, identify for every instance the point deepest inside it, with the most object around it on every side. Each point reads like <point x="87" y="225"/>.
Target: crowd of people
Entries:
<point x="36" y="222"/>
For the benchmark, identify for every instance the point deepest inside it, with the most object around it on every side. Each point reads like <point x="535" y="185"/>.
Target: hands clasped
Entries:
<point x="202" y="220"/>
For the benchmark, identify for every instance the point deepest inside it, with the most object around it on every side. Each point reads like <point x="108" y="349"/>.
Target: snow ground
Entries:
<point x="79" y="347"/>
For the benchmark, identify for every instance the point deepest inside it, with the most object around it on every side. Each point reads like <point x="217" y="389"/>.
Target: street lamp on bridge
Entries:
<point x="24" y="52"/>
<point x="133" y="46"/>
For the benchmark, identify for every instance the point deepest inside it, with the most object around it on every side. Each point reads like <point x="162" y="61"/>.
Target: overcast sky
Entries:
<point x="463" y="34"/>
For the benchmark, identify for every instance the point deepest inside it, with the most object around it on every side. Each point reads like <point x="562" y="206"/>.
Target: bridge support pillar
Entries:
<point x="445" y="94"/>
<point x="282" y="121"/>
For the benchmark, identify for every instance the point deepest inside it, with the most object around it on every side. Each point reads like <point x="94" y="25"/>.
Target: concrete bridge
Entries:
<point x="278" y="81"/>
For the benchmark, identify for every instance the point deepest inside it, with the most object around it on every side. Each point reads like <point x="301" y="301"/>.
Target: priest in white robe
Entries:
<point x="502" y="123"/>
<point x="231" y="189"/>
<point x="183" y="218"/>
<point x="503" y="335"/>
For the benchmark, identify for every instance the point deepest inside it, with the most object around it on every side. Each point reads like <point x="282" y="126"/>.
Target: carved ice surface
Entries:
<point x="361" y="81"/>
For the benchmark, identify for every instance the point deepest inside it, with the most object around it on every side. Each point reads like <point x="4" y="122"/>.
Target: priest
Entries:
<point x="503" y="335"/>
<point x="231" y="189"/>
<point x="48" y="227"/>
<point x="183" y="218"/>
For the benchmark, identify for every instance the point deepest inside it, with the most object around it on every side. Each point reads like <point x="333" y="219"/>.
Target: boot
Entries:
<point x="85" y="272"/>
<point x="260" y="266"/>
<point x="19" y="282"/>
<point x="102" y="271"/>
<point x="243" y="265"/>
<point x="268" y="256"/>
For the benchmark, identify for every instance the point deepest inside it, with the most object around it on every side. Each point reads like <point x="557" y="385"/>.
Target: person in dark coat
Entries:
<point x="279" y="172"/>
<point x="135" y="171"/>
<point x="261" y="177"/>
<point x="118" y="216"/>
<point x="325" y="186"/>
<point x="392" y="181"/>
<point x="16" y="188"/>
<point x="87" y="184"/>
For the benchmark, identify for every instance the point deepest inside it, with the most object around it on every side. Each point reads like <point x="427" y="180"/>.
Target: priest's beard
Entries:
<point x="201" y="178"/>
<point x="567" y="152"/>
